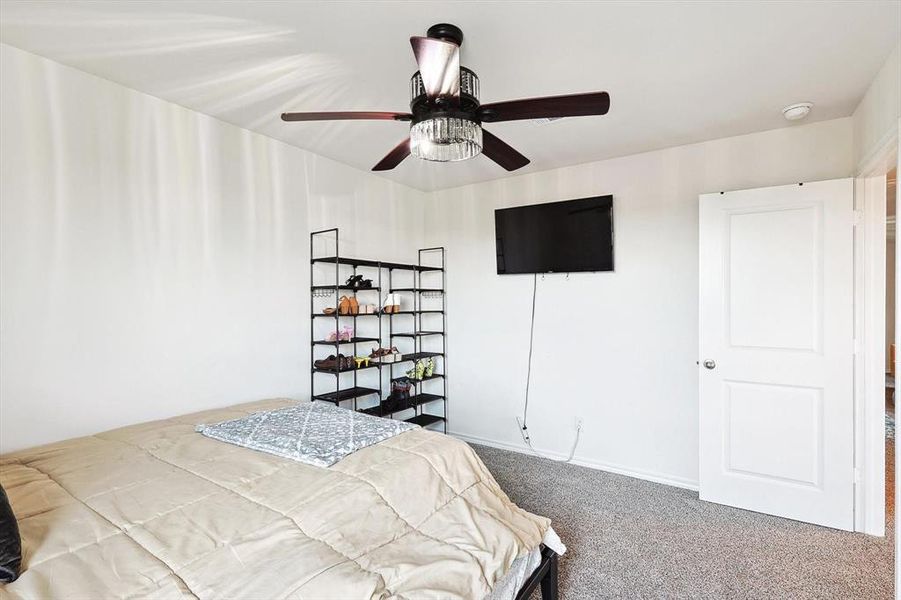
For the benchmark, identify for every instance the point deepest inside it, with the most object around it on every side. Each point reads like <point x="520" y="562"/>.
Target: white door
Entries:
<point x="776" y="351"/>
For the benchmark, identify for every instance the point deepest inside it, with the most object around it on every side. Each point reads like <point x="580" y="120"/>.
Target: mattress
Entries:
<point x="158" y="510"/>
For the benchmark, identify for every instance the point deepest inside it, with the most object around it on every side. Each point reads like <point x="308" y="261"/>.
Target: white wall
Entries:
<point x="617" y="349"/>
<point x="154" y="261"/>
<point x="876" y="117"/>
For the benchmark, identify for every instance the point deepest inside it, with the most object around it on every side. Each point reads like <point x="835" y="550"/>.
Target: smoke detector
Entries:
<point x="796" y="112"/>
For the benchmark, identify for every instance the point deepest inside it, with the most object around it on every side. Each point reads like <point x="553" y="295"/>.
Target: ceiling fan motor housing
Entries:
<point x="448" y="107"/>
<point x="446" y="32"/>
<point x="445" y="128"/>
<point x="464" y="107"/>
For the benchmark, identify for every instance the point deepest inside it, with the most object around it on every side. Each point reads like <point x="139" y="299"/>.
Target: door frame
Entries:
<point x="869" y="327"/>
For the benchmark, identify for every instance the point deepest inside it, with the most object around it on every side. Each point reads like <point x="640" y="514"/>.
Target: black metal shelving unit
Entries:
<point x="421" y="407"/>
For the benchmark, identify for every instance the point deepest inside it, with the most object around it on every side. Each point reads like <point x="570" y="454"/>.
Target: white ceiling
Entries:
<point x="677" y="72"/>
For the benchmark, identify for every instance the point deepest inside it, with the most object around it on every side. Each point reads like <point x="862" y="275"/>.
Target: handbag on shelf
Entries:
<point x="400" y="390"/>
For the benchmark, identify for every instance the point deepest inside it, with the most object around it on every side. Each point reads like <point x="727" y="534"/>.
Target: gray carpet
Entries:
<point x="629" y="538"/>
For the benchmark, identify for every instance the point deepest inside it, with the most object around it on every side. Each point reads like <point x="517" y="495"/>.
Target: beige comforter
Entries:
<point x="159" y="511"/>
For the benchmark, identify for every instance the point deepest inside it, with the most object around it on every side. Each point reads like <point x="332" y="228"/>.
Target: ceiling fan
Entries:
<point x="445" y="115"/>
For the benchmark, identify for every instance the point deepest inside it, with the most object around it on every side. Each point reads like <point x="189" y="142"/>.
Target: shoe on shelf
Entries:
<point x="354" y="306"/>
<point x="335" y="363"/>
<point x="384" y="355"/>
<point x="418" y="371"/>
<point x="430" y="367"/>
<point x="358" y="283"/>
<point x="344" y="306"/>
<point x="331" y="363"/>
<point x="392" y="303"/>
<point x="328" y="311"/>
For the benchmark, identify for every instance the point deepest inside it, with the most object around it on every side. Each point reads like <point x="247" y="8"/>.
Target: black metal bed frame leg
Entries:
<point x="545" y="576"/>
<point x="549" y="581"/>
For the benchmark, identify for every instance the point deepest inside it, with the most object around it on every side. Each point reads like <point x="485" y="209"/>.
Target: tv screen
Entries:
<point x="557" y="237"/>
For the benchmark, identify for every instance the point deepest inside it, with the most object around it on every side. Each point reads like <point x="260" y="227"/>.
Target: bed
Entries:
<point x="157" y="510"/>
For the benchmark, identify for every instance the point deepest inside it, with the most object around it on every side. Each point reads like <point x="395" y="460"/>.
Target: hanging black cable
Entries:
<point x="525" y="410"/>
<point x="524" y="430"/>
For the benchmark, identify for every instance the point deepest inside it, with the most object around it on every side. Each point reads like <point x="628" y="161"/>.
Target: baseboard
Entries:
<point x="679" y="482"/>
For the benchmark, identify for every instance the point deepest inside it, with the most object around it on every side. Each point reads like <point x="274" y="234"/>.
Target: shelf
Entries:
<point x="336" y="315"/>
<point x="415" y="334"/>
<point x="418" y="355"/>
<point x="388" y="407"/>
<point x="363" y="262"/>
<point x="350" y="370"/>
<point x="424" y="419"/>
<point x="403" y="312"/>
<point x="348" y="394"/>
<point x="356" y="340"/>
<point x="423" y="399"/>
<point x="348" y="288"/>
<point x="429" y="378"/>
<point x="411" y="279"/>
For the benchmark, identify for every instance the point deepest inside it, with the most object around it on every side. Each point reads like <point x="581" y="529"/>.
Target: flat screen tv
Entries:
<point x="557" y="237"/>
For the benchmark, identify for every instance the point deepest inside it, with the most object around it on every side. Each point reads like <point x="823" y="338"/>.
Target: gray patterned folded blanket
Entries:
<point x="316" y="433"/>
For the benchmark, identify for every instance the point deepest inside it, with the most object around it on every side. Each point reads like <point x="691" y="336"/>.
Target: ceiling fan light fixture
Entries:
<point x="446" y="139"/>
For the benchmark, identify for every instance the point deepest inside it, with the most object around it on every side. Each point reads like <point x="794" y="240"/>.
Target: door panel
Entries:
<point x="776" y="318"/>
<point x="787" y="316"/>
<point x="789" y="417"/>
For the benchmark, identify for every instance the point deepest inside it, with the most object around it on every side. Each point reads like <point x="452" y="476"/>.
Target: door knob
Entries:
<point x="709" y="364"/>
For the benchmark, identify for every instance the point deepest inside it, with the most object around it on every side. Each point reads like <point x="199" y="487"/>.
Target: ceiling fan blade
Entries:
<point x="395" y="157"/>
<point x="573" y="105"/>
<point x="501" y="152"/>
<point x="439" y="66"/>
<point x="346" y="116"/>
